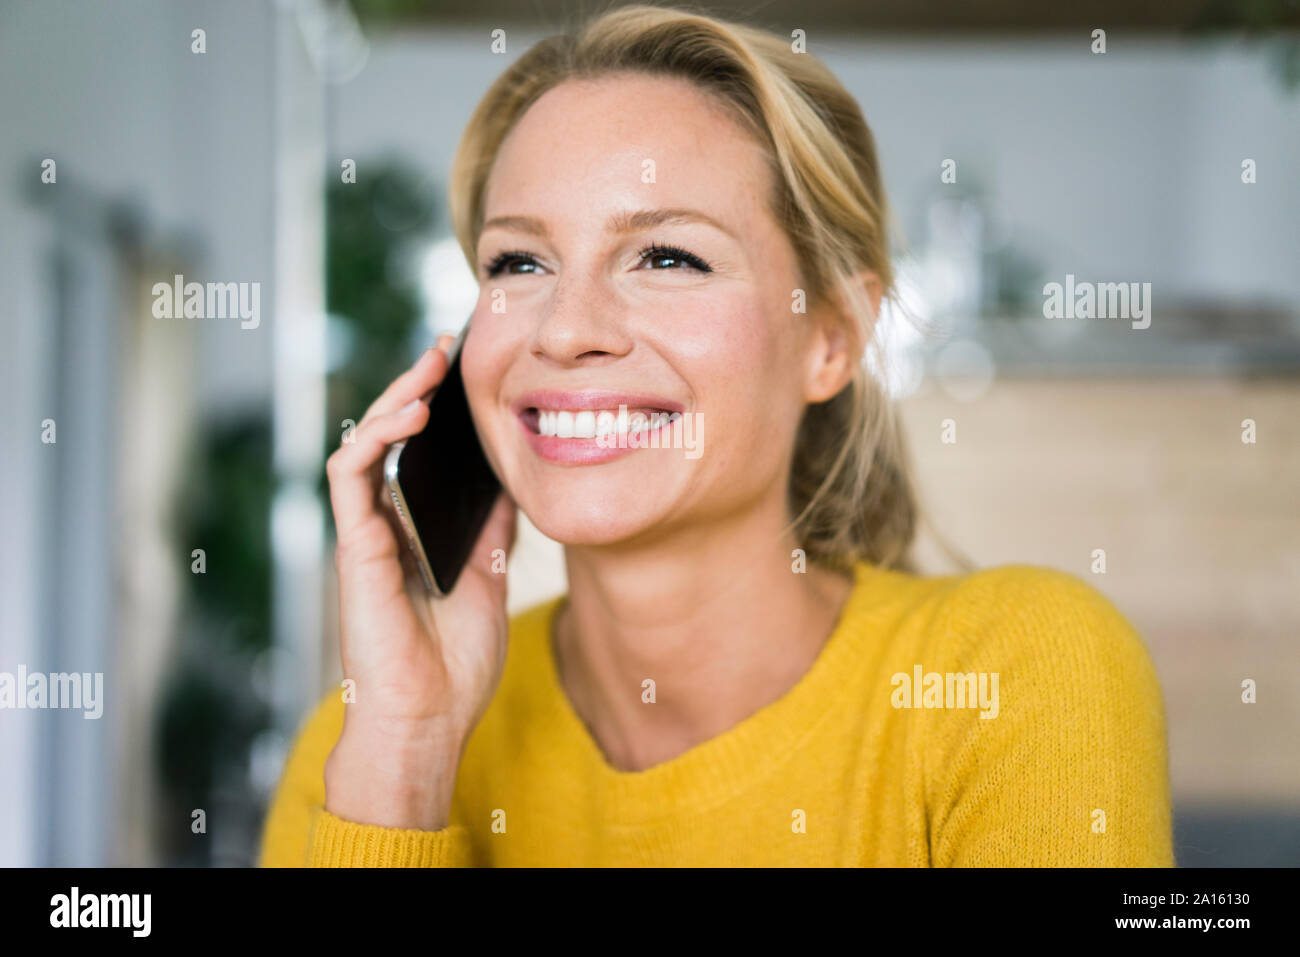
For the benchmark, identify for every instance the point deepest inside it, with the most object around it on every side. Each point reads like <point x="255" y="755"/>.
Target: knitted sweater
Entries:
<point x="1005" y="717"/>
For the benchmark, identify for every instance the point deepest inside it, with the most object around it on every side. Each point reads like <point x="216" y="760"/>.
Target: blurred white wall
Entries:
<point x="113" y="93"/>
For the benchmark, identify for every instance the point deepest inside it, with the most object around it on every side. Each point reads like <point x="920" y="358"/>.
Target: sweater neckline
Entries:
<point x="724" y="765"/>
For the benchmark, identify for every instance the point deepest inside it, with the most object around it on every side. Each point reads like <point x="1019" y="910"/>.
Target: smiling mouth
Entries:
<point x="595" y="423"/>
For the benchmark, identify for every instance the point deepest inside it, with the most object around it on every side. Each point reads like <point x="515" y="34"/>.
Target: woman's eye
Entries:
<point x="655" y="253"/>
<point x="506" y="260"/>
<point x="661" y="258"/>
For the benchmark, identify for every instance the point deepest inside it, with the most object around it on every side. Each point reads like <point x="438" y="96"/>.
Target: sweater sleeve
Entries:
<point x="299" y="832"/>
<point x="1073" y="769"/>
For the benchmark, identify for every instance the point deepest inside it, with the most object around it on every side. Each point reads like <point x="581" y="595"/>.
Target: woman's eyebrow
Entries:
<point x="520" y="224"/>
<point x="623" y="222"/>
<point x="627" y="222"/>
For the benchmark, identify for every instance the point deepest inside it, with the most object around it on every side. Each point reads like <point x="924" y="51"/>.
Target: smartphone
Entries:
<point x="441" y="483"/>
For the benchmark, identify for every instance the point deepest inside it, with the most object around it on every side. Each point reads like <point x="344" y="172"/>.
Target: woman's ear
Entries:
<point x="838" y="339"/>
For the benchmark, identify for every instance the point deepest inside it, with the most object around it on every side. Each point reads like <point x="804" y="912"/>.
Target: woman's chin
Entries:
<point x="595" y="520"/>
<point x="603" y="504"/>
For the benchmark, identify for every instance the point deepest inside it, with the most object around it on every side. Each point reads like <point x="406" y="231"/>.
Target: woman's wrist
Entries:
<point x="403" y="779"/>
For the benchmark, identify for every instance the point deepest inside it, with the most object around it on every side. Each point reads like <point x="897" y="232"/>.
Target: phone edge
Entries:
<point x="404" y="518"/>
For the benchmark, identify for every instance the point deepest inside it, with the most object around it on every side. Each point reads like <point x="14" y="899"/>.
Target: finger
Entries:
<point x="421" y="378"/>
<point x="351" y="467"/>
<point x="444" y="344"/>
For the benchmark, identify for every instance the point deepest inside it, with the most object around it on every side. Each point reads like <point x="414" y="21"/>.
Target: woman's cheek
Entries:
<point x="479" y="368"/>
<point x="701" y="331"/>
<point x="472" y="370"/>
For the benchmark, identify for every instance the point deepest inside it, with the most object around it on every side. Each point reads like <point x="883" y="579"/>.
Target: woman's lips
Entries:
<point x="593" y="426"/>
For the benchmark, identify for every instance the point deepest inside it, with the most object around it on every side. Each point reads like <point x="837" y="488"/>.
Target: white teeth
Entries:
<point x="564" y="425"/>
<point x="584" y="425"/>
<point x="590" y="424"/>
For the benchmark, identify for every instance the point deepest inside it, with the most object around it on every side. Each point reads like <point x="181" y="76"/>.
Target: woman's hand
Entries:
<point x="425" y="669"/>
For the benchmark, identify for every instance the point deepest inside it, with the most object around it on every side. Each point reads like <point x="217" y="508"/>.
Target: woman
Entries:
<point x="678" y="215"/>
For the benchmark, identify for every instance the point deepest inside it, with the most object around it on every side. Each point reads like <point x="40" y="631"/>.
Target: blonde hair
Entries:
<point x="851" y="494"/>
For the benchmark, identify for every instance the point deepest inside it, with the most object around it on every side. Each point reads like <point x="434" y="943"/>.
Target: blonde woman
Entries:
<point x="745" y="669"/>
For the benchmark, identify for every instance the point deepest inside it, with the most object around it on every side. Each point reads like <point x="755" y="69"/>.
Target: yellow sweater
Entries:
<point x="867" y="761"/>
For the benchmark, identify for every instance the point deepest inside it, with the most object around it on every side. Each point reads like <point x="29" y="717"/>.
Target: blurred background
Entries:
<point x="164" y="519"/>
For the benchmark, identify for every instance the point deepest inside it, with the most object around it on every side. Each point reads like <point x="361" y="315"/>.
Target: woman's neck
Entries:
<point x="717" y="617"/>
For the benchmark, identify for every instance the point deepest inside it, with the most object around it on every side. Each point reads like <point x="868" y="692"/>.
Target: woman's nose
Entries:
<point x="582" y="319"/>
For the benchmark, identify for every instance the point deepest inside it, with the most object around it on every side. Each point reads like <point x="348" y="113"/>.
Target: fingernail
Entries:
<point x="409" y="407"/>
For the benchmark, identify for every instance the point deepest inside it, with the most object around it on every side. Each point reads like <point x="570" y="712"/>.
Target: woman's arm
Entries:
<point x="1073" y="770"/>
<point x="299" y="832"/>
<point x="372" y="783"/>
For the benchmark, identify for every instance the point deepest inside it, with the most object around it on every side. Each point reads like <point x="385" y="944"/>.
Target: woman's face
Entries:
<point x="577" y="316"/>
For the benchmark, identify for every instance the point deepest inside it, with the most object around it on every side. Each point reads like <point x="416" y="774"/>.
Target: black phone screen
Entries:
<point x="446" y="480"/>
